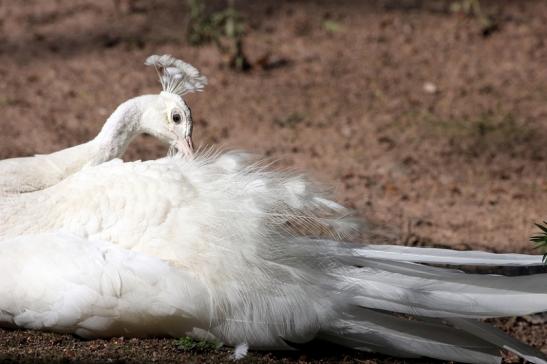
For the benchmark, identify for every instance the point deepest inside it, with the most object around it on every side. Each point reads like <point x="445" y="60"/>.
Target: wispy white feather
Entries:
<point x="241" y="351"/>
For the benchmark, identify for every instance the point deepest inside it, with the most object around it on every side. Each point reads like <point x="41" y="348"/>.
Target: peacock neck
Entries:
<point x="120" y="128"/>
<point x="111" y="142"/>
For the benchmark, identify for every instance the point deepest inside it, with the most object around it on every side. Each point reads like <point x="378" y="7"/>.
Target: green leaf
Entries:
<point x="540" y="240"/>
<point x="544" y="228"/>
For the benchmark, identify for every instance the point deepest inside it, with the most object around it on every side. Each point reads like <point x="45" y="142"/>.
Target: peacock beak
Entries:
<point x="186" y="146"/>
<point x="183" y="141"/>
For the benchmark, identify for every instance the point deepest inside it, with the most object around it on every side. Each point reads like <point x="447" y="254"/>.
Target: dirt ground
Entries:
<point x="422" y="123"/>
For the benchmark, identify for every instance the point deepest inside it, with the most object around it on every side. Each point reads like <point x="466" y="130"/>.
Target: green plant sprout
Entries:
<point x="540" y="240"/>
<point x="332" y="26"/>
<point x="473" y="7"/>
<point x="188" y="344"/>
<point x="225" y="28"/>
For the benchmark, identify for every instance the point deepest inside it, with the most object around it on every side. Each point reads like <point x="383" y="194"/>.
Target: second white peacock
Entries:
<point x="165" y="116"/>
<point x="220" y="248"/>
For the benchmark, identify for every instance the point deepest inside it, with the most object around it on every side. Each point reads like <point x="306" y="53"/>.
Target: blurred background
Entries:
<point x="426" y="117"/>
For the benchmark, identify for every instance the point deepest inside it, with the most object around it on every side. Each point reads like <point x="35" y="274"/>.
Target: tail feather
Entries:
<point x="396" y="280"/>
<point x="325" y="247"/>
<point x="436" y="292"/>
<point x="501" y="339"/>
<point x="387" y="334"/>
<point x="417" y="289"/>
<point x="446" y="256"/>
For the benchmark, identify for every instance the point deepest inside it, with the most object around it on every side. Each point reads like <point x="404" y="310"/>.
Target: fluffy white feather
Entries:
<point x="61" y="282"/>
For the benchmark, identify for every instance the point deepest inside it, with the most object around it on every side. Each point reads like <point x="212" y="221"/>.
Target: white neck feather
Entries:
<point x="120" y="128"/>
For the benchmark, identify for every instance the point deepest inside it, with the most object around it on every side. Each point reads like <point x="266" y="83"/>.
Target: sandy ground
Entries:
<point x="426" y="127"/>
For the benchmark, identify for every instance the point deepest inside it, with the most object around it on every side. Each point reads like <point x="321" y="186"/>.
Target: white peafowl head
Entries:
<point x="169" y="118"/>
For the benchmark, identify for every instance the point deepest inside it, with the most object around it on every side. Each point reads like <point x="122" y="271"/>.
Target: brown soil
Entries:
<point x="417" y="119"/>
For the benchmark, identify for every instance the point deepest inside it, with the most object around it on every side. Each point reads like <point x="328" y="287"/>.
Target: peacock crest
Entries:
<point x="176" y="76"/>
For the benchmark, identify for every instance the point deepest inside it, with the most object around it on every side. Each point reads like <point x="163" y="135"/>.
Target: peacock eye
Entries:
<point x="177" y="118"/>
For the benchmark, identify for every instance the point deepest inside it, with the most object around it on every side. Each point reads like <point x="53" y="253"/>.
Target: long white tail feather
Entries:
<point x="500" y="339"/>
<point x="446" y="256"/>
<point x="412" y="289"/>
<point x="421" y="255"/>
<point x="384" y="333"/>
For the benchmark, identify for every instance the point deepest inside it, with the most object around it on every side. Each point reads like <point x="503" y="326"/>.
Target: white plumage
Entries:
<point x="152" y="114"/>
<point x="220" y="248"/>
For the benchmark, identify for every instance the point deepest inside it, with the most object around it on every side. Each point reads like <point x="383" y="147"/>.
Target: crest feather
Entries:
<point x="176" y="76"/>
